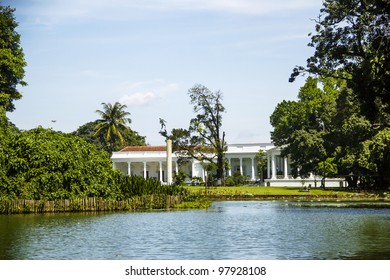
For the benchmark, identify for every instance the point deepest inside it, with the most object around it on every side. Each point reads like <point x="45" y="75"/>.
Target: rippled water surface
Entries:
<point x="228" y="230"/>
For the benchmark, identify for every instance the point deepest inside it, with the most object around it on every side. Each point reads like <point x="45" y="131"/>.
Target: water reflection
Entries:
<point x="228" y="230"/>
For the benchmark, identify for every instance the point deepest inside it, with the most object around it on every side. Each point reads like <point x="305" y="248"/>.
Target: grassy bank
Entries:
<point x="275" y="193"/>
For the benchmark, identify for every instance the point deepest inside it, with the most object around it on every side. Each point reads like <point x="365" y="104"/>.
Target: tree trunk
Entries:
<point x="220" y="170"/>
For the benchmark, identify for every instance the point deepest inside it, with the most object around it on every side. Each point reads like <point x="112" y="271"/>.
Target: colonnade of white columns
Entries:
<point x="193" y="167"/>
<point x="145" y="169"/>
<point x="253" y="175"/>
<point x="271" y="167"/>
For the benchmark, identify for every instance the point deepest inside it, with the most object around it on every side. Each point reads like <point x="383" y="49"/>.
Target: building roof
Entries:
<point x="144" y="149"/>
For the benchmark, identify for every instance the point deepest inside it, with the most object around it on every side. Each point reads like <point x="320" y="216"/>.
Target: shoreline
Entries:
<point x="199" y="201"/>
<point x="302" y="198"/>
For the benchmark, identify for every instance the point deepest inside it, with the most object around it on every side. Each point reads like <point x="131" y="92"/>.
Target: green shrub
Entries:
<point x="179" y="178"/>
<point x="229" y="181"/>
<point x="44" y="164"/>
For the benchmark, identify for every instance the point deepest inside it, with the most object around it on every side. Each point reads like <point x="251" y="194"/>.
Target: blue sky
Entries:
<point x="147" y="54"/>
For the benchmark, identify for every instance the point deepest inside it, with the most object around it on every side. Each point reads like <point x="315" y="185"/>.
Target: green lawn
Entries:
<point x="259" y="190"/>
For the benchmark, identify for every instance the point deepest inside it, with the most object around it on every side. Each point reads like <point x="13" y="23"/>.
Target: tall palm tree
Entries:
<point x="113" y="122"/>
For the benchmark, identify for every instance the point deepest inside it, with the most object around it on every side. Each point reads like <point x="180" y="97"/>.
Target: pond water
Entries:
<point x="228" y="230"/>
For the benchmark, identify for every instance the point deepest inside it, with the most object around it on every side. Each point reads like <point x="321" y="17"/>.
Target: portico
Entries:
<point x="151" y="162"/>
<point x="241" y="158"/>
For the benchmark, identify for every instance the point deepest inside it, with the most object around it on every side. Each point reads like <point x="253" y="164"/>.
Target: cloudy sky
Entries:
<point x="148" y="53"/>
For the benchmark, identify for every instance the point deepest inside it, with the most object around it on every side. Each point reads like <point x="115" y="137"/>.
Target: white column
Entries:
<point x="129" y="168"/>
<point x="285" y="168"/>
<point x="253" y="169"/>
<point x="230" y="167"/>
<point x="113" y="165"/>
<point x="176" y="167"/>
<point x="273" y="163"/>
<point x="268" y="167"/>
<point x="144" y="169"/>
<point x="161" y="178"/>
<point x="193" y="168"/>
<point x="241" y="166"/>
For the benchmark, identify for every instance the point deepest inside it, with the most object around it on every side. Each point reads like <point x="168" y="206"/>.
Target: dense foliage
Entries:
<point x="12" y="61"/>
<point x="302" y="126"/>
<point x="44" y="164"/>
<point x="342" y="127"/>
<point x="352" y="42"/>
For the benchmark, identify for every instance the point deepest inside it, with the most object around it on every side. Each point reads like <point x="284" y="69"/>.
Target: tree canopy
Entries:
<point x="343" y="129"/>
<point x="12" y="61"/>
<point x="48" y="165"/>
<point x="302" y="127"/>
<point x="352" y="42"/>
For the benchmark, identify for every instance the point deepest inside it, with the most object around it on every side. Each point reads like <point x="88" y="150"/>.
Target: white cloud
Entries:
<point x="143" y="93"/>
<point x="138" y="99"/>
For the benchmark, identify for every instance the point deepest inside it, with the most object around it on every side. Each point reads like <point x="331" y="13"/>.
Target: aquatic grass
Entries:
<point x="194" y="202"/>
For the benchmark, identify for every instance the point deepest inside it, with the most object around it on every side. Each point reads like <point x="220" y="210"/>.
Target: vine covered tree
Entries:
<point x="12" y="61"/>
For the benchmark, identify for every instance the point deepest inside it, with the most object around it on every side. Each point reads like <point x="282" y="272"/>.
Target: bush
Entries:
<point x="229" y="181"/>
<point x="44" y="164"/>
<point x="179" y="178"/>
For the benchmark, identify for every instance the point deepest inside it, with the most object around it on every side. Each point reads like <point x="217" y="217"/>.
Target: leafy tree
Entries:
<point x="3" y="145"/>
<point x="43" y="163"/>
<point x="88" y="133"/>
<point x="12" y="61"/>
<point x="353" y="35"/>
<point x="376" y="155"/>
<point x="324" y="132"/>
<point x="302" y="127"/>
<point x="204" y="139"/>
<point x="113" y="123"/>
<point x="352" y="43"/>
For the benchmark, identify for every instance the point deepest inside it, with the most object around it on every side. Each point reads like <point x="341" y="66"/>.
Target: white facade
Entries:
<point x="151" y="162"/>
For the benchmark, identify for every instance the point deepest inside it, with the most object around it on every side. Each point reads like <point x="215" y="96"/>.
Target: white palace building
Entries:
<point x="151" y="162"/>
